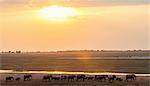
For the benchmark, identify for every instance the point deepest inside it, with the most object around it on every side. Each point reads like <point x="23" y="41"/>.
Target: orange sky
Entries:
<point x="115" y="26"/>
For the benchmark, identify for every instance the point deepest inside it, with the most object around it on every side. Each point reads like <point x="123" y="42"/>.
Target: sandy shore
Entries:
<point x="37" y="81"/>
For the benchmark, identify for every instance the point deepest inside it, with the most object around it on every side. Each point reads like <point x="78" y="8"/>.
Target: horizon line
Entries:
<point x="76" y="50"/>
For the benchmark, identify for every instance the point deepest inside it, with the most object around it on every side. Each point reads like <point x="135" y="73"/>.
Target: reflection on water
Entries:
<point x="67" y="73"/>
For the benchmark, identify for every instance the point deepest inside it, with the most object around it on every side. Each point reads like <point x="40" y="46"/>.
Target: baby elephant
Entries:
<point x="119" y="79"/>
<point x="10" y="78"/>
<point x="18" y="79"/>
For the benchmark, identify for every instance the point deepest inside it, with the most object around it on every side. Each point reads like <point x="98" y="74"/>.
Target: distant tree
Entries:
<point x="102" y="50"/>
<point x="9" y="51"/>
<point x="37" y="51"/>
<point x="97" y="50"/>
<point x="18" y="51"/>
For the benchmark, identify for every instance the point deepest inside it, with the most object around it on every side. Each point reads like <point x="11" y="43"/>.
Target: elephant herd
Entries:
<point x="26" y="78"/>
<point x="82" y="77"/>
<point x="77" y="78"/>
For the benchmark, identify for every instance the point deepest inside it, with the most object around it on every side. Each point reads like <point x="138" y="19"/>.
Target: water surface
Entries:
<point x="74" y="64"/>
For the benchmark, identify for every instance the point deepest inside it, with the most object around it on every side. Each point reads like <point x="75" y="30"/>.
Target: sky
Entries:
<point x="100" y="25"/>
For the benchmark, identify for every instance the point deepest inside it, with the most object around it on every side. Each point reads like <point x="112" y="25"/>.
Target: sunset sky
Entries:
<point x="91" y="24"/>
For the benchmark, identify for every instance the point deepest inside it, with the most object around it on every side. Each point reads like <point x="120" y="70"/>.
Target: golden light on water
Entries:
<point x="62" y="72"/>
<point x="57" y="13"/>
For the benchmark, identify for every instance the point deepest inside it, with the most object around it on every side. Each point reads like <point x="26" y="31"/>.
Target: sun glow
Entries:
<point x="58" y="13"/>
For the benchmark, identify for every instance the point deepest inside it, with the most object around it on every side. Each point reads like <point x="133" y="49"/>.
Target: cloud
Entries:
<point x="75" y="2"/>
<point x="13" y="1"/>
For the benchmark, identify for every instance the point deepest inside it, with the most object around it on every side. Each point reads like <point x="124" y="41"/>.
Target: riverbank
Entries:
<point x="37" y="76"/>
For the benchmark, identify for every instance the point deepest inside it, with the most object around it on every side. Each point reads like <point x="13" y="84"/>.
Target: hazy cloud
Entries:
<point x="82" y="2"/>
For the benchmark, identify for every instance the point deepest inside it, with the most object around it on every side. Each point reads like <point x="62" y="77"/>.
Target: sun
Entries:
<point x="57" y="13"/>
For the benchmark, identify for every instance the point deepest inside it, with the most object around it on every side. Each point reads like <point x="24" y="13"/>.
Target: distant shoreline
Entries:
<point x="84" y="53"/>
